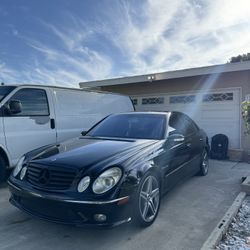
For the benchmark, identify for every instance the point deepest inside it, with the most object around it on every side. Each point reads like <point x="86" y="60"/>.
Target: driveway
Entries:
<point x="187" y="216"/>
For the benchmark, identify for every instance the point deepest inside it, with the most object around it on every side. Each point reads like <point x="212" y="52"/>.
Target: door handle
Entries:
<point x="52" y="123"/>
<point x="201" y="139"/>
<point x="188" y="144"/>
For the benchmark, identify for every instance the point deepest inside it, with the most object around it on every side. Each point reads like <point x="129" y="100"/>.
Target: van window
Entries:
<point x="5" y="90"/>
<point x="34" y="102"/>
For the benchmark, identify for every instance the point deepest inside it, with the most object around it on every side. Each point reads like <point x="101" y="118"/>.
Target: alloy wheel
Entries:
<point x="205" y="163"/>
<point x="149" y="198"/>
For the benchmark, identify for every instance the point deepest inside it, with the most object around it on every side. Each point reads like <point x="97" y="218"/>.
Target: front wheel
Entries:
<point x="204" y="166"/>
<point x="148" y="200"/>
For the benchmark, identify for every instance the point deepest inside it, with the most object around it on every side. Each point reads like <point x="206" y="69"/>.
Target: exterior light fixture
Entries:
<point x="151" y="78"/>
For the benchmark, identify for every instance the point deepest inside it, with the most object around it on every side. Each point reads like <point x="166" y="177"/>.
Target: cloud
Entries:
<point x="182" y="34"/>
<point x="63" y="60"/>
<point x="72" y="60"/>
<point x="132" y="37"/>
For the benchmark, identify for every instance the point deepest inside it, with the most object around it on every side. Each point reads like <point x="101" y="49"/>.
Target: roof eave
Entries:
<point x="215" y="69"/>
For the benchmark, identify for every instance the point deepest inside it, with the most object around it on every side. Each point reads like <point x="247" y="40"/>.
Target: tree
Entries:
<point x="240" y="58"/>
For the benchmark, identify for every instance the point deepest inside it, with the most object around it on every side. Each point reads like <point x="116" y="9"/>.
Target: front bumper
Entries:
<point x="68" y="211"/>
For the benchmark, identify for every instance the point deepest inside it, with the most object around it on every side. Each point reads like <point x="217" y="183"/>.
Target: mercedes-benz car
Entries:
<point x="113" y="173"/>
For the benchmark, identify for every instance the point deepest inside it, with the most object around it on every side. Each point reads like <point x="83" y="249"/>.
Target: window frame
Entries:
<point x="25" y="88"/>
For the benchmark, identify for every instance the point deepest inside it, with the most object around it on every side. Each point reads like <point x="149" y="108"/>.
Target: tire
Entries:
<point x="204" y="165"/>
<point x="2" y="170"/>
<point x="148" y="200"/>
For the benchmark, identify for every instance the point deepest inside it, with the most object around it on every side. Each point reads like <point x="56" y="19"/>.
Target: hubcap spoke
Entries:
<point x="149" y="187"/>
<point x="143" y="195"/>
<point x="152" y="207"/>
<point x="155" y="193"/>
<point x="145" y="210"/>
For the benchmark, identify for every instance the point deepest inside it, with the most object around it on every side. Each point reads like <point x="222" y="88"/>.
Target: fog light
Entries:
<point x="23" y="172"/>
<point x="100" y="217"/>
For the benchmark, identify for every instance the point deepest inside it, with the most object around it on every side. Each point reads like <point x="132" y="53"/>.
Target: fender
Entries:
<point x="135" y="175"/>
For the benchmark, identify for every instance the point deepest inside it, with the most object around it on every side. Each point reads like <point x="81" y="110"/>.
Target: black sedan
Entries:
<point x="115" y="172"/>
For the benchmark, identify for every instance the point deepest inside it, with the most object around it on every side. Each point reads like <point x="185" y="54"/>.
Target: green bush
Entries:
<point x="246" y="115"/>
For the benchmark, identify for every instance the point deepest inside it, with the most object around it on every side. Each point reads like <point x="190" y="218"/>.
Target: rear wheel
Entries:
<point x="204" y="166"/>
<point x="3" y="171"/>
<point x="148" y="200"/>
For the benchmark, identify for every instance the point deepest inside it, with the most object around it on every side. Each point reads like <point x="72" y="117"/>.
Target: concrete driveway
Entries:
<point x="187" y="216"/>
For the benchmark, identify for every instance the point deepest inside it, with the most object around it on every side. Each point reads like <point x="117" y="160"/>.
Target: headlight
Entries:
<point x="23" y="173"/>
<point x="83" y="184"/>
<point x="18" y="167"/>
<point x="107" y="180"/>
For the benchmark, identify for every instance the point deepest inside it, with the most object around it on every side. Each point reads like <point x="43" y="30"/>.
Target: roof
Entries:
<point x="62" y="87"/>
<point x="215" y="69"/>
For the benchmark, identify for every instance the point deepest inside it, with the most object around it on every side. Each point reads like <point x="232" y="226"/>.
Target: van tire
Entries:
<point x="2" y="169"/>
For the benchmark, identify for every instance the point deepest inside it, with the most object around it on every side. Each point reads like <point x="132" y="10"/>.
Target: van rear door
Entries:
<point x="34" y="126"/>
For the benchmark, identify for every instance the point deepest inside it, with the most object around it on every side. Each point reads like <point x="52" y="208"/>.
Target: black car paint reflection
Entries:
<point x="153" y="150"/>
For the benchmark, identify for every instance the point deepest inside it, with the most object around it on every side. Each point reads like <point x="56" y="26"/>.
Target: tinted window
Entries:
<point x="191" y="126"/>
<point x="5" y="90"/>
<point x="181" y="124"/>
<point x="34" y="102"/>
<point x="138" y="126"/>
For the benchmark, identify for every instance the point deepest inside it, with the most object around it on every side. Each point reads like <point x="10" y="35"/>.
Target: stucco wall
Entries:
<point x="216" y="81"/>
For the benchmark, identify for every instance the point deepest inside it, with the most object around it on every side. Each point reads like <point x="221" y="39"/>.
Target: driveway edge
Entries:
<point x="221" y="228"/>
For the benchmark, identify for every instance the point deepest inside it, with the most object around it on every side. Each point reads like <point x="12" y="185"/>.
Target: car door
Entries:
<point x="177" y="152"/>
<point x="194" y="141"/>
<point x="33" y="126"/>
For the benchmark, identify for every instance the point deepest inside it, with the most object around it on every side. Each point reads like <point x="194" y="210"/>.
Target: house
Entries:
<point x="211" y="95"/>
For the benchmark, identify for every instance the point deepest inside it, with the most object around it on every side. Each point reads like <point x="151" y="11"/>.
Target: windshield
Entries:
<point x="5" y="90"/>
<point x="138" y="126"/>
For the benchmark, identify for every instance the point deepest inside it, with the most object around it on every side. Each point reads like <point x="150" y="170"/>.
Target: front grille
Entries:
<point x="58" y="178"/>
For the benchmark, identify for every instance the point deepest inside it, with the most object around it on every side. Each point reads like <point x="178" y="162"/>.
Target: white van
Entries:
<point x="33" y="116"/>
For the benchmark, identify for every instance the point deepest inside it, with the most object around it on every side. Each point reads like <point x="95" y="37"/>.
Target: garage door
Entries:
<point x="215" y="111"/>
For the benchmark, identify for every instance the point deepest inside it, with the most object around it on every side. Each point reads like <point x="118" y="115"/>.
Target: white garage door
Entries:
<point x="215" y="111"/>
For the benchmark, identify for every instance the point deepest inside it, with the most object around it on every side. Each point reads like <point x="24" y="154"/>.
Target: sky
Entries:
<point x="63" y="42"/>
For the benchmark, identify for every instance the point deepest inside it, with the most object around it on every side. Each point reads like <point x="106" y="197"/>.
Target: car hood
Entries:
<point x="87" y="151"/>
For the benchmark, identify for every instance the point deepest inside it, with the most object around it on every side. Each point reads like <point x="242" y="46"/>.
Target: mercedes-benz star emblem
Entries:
<point x="44" y="176"/>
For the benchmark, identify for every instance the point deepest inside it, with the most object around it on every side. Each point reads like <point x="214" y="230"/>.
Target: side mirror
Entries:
<point x="83" y="133"/>
<point x="176" y="138"/>
<point x="15" y="106"/>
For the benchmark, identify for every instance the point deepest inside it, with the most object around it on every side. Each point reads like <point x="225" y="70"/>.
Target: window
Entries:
<point x="153" y="100"/>
<point x="191" y="127"/>
<point x="4" y="91"/>
<point x="135" y="101"/>
<point x="182" y="99"/>
<point x="181" y="124"/>
<point x="217" y="97"/>
<point x="139" y="126"/>
<point x="34" y="102"/>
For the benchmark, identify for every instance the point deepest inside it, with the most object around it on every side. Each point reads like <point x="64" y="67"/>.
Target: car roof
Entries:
<point x="61" y="87"/>
<point x="145" y="113"/>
